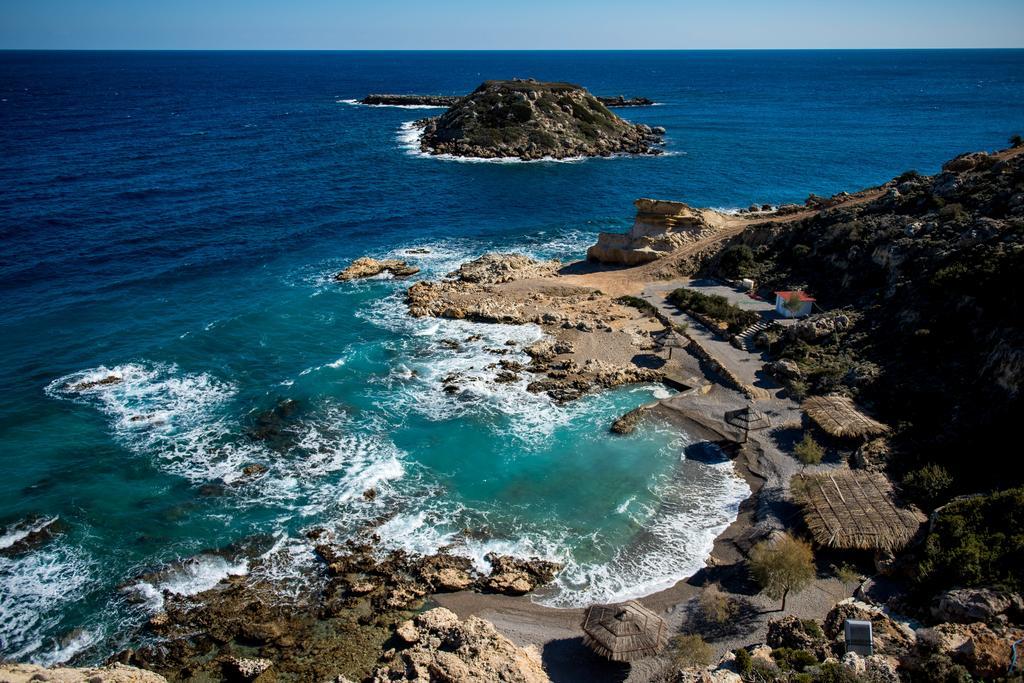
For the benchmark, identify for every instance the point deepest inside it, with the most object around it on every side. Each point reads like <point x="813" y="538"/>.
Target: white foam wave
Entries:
<point x="35" y="589"/>
<point x="676" y="539"/>
<point x="158" y="409"/>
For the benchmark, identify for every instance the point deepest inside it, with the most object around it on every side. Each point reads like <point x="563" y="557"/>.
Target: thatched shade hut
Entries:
<point x="671" y="339"/>
<point x="838" y="416"/>
<point x="747" y="419"/>
<point x="854" y="510"/>
<point x="624" y="633"/>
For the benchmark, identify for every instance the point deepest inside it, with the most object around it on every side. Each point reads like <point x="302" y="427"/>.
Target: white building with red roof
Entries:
<point x="793" y="304"/>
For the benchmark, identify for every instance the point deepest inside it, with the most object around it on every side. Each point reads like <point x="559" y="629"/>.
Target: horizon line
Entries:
<point x="582" y="49"/>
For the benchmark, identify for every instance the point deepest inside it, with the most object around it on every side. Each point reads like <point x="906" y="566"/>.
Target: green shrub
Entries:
<point x="907" y="175"/>
<point x="811" y="628"/>
<point x="691" y="650"/>
<point x="1016" y="141"/>
<point x="801" y="251"/>
<point x="928" y="485"/>
<point x="791" y="659"/>
<point x="636" y="302"/>
<point x="715" y="606"/>
<point x="736" y="261"/>
<point x="714" y="306"/>
<point x="977" y="541"/>
<point x="744" y="662"/>
<point x="808" y="451"/>
<point x="834" y="672"/>
<point x="952" y="213"/>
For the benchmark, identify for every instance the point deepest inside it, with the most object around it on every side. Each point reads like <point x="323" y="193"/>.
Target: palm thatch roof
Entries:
<point x="747" y="418"/>
<point x="854" y="510"/>
<point x="671" y="338"/>
<point x="838" y="416"/>
<point x="624" y="633"/>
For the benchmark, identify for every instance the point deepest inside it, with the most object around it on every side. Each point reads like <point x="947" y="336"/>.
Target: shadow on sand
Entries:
<point x="569" y="660"/>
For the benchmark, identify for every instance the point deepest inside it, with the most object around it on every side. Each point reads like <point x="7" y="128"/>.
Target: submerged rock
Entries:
<point x="531" y="120"/>
<point x="29" y="534"/>
<point x="368" y="267"/>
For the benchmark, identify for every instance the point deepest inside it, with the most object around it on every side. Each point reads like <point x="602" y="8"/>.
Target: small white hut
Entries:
<point x="793" y="304"/>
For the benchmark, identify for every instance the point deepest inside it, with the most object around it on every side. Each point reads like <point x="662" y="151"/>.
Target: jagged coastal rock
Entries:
<point x="531" y="120"/>
<point x="368" y="267"/>
<point x="442" y="648"/>
<point x="410" y="100"/>
<point x="660" y="228"/>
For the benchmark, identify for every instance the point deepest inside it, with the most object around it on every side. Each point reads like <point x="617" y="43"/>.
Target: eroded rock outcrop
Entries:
<point x="117" y="673"/>
<point x="531" y="120"/>
<point x="660" y="228"/>
<point x="368" y="267"/>
<point x="515" y="576"/>
<point x="493" y="268"/>
<point x="443" y="648"/>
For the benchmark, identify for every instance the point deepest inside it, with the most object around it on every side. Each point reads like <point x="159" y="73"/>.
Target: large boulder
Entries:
<point x="984" y="650"/>
<point x="443" y="648"/>
<point x="890" y="636"/>
<point x="797" y="634"/>
<point x="968" y="605"/>
<point x="494" y="268"/>
<point x="515" y="576"/>
<point x="368" y="267"/>
<point x="660" y="227"/>
<point x="531" y="120"/>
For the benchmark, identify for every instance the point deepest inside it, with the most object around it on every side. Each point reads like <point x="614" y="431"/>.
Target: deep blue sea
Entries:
<point x="174" y="219"/>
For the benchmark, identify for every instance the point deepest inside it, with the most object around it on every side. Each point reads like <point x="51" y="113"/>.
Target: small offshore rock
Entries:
<point x="368" y="267"/>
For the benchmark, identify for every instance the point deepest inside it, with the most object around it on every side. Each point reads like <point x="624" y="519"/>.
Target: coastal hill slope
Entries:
<point x="531" y="120"/>
<point x="929" y="271"/>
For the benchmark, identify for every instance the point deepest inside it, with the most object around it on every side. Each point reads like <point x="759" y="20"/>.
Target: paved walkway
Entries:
<point x="746" y="366"/>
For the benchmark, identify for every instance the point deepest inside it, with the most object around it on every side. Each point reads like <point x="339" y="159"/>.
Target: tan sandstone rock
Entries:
<point x="368" y="267"/>
<point x="470" y="651"/>
<point x="660" y="228"/>
<point x="117" y="673"/>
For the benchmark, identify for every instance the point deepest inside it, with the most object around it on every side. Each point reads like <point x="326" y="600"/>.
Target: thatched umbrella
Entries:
<point x="672" y="339"/>
<point x="747" y="419"/>
<point x="624" y="633"/>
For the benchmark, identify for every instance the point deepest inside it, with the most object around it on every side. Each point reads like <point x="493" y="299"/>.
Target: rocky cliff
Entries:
<point x="660" y="228"/>
<point x="530" y="120"/>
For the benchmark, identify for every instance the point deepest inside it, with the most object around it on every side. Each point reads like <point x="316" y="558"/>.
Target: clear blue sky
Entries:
<point x="523" y="24"/>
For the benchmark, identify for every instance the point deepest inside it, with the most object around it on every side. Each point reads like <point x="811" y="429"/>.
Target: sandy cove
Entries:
<point x="579" y="307"/>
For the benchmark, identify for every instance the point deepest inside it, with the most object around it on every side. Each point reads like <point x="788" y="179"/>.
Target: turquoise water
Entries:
<point x="175" y="219"/>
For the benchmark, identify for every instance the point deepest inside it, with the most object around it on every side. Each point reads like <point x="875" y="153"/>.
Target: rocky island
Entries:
<point x="531" y="120"/>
